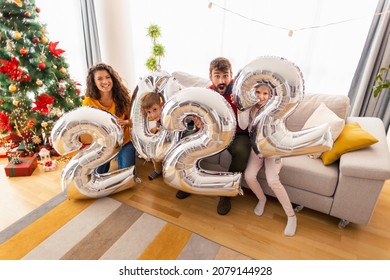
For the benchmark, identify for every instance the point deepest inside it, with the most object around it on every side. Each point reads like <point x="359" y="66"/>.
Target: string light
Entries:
<point x="290" y="30"/>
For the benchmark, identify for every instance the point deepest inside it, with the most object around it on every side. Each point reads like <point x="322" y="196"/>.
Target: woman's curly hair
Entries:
<point x="120" y="93"/>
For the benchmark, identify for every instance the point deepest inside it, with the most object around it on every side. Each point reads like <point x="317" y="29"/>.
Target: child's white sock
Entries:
<point x="259" y="209"/>
<point x="291" y="226"/>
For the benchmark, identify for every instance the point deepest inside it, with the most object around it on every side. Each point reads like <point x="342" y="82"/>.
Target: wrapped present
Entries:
<point x="24" y="167"/>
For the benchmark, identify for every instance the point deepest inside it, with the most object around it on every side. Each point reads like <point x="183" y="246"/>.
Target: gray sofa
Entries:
<point x="347" y="189"/>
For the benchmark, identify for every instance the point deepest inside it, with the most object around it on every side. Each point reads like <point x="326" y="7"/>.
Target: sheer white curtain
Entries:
<point x="327" y="52"/>
<point x="193" y="35"/>
<point x="63" y="20"/>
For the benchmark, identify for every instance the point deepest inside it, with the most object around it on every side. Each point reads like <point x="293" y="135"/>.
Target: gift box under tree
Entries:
<point x="24" y="167"/>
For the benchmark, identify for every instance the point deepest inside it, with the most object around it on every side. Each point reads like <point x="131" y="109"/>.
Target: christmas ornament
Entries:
<point x="48" y="163"/>
<point x="27" y="14"/>
<point x="15" y="102"/>
<point x="44" y="124"/>
<point x="11" y="69"/>
<point x="52" y="48"/>
<point x="61" y="85"/>
<point x="44" y="39"/>
<point x="1" y="102"/>
<point x="63" y="71"/>
<point x="42" y="103"/>
<point x="12" y="88"/>
<point x="30" y="124"/>
<point x="39" y="82"/>
<point x="17" y="35"/>
<point x="38" y="10"/>
<point x="23" y="51"/>
<point x="35" y="40"/>
<point x="41" y="65"/>
<point x="19" y="3"/>
<point x="36" y="140"/>
<point x="4" y="122"/>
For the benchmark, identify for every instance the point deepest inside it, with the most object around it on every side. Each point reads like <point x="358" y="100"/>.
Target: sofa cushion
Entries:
<point x="352" y="138"/>
<point x="339" y="104"/>
<point x="308" y="174"/>
<point x="324" y="115"/>
<point x="188" y="80"/>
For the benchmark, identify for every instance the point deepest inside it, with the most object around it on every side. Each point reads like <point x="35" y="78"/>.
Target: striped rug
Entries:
<point x="103" y="229"/>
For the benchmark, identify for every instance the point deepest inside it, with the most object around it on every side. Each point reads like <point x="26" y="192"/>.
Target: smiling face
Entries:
<point x="103" y="81"/>
<point x="220" y="80"/>
<point x="263" y="93"/>
<point x="154" y="112"/>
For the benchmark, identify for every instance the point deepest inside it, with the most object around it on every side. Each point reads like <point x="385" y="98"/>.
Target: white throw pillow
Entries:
<point x="324" y="115"/>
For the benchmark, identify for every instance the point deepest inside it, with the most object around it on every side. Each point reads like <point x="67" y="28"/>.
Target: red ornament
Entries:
<point x="23" y="51"/>
<point x="38" y="10"/>
<point x="35" y="40"/>
<point x="41" y="65"/>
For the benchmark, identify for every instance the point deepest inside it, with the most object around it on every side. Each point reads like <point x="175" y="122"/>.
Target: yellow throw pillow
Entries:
<point x="352" y="138"/>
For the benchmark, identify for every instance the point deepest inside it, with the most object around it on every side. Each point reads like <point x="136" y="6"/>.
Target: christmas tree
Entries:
<point x="35" y="86"/>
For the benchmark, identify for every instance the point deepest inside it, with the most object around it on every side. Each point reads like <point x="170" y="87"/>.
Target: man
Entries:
<point x="222" y="82"/>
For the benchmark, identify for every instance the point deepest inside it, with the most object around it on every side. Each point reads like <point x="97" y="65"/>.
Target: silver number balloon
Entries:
<point x="147" y="144"/>
<point x="79" y="177"/>
<point x="180" y="168"/>
<point x="269" y="135"/>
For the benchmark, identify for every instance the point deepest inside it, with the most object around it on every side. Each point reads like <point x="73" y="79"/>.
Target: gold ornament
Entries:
<point x="44" y="39"/>
<point x="12" y="88"/>
<point x="54" y="66"/>
<point x="19" y="3"/>
<point x="44" y="124"/>
<point x="36" y="140"/>
<point x="17" y="35"/>
<point x="39" y="82"/>
<point x="63" y="71"/>
<point x="15" y="102"/>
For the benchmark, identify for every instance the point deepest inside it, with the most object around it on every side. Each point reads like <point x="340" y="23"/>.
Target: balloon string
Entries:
<point x="291" y="29"/>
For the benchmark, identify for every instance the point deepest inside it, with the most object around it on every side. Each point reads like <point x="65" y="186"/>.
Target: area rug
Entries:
<point x="106" y="229"/>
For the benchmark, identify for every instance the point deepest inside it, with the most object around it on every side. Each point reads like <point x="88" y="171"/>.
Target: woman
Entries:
<point x="106" y="91"/>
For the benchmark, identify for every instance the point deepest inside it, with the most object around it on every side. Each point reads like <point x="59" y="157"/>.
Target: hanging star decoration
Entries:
<point x="43" y="102"/>
<point x="52" y="48"/>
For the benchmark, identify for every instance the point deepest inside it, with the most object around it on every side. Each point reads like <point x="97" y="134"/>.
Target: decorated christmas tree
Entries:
<point x="35" y="86"/>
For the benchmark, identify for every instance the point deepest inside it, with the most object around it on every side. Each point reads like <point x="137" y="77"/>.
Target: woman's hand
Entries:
<point x="124" y="123"/>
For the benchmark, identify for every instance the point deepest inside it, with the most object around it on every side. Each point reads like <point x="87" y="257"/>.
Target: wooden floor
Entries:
<point x="317" y="237"/>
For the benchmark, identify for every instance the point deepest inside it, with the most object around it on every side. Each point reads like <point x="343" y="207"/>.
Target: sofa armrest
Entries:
<point x="372" y="162"/>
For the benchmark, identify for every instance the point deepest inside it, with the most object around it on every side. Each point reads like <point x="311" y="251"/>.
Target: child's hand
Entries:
<point x="154" y="130"/>
<point x="198" y="123"/>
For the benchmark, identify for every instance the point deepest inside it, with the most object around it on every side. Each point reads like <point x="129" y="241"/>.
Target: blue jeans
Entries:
<point x="126" y="158"/>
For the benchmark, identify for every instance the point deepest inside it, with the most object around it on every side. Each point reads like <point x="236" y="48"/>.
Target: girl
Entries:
<point x="272" y="166"/>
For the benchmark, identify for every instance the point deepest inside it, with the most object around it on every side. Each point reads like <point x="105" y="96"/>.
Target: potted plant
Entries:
<point x="382" y="82"/>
